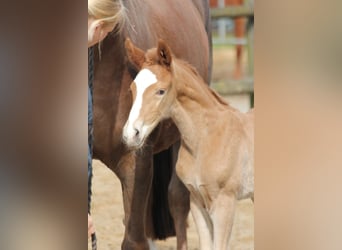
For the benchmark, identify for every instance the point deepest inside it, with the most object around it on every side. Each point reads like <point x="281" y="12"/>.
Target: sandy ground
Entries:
<point x="107" y="206"/>
<point x="108" y="214"/>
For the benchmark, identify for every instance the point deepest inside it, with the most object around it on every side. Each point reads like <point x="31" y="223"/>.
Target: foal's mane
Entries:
<point x="199" y="80"/>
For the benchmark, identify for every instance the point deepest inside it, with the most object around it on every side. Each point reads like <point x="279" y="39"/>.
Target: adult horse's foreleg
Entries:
<point x="135" y="173"/>
<point x="179" y="202"/>
<point x="179" y="207"/>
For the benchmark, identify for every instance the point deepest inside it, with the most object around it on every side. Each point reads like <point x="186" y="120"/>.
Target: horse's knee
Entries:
<point x="179" y="198"/>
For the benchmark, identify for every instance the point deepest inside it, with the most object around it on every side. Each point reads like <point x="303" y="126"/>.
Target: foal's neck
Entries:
<point x="196" y="104"/>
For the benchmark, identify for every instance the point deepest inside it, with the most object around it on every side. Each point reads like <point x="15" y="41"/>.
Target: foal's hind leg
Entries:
<point x="179" y="202"/>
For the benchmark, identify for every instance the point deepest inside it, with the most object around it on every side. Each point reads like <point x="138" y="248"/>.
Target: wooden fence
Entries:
<point x="246" y="85"/>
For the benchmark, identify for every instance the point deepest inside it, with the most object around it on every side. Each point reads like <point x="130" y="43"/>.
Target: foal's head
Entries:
<point x="151" y="90"/>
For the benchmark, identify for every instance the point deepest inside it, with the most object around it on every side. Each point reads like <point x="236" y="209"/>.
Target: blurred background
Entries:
<point x="233" y="51"/>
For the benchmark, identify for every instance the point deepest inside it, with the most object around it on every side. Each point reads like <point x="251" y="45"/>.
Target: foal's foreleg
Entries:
<point x="203" y="225"/>
<point x="222" y="215"/>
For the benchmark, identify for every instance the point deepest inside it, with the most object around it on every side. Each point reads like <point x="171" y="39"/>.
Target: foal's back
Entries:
<point x="228" y="151"/>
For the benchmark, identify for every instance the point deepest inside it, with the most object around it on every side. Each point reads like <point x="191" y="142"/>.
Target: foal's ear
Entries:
<point x="135" y="55"/>
<point x="164" y="53"/>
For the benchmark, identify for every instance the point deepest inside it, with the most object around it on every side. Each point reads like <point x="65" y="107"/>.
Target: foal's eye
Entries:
<point x="160" y="92"/>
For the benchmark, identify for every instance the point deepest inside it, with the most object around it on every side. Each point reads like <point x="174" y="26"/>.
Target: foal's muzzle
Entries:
<point x="132" y="135"/>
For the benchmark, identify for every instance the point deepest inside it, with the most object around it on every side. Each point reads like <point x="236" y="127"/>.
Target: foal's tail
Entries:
<point x="162" y="171"/>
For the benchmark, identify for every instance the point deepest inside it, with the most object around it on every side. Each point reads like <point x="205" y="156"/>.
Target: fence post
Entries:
<point x="221" y="22"/>
<point x="250" y="51"/>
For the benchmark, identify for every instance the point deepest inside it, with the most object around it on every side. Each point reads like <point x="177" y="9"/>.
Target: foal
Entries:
<point x="215" y="159"/>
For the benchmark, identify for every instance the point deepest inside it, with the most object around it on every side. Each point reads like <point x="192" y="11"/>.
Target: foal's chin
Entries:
<point x="134" y="144"/>
<point x="137" y="141"/>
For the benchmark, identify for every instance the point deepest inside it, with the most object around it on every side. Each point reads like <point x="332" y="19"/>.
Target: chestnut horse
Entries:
<point x="215" y="160"/>
<point x="186" y="26"/>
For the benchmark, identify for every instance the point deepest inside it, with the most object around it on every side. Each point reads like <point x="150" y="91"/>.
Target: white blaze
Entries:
<point x="143" y="80"/>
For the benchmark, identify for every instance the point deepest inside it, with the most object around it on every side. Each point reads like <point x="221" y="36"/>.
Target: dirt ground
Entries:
<point x="107" y="208"/>
<point x="108" y="213"/>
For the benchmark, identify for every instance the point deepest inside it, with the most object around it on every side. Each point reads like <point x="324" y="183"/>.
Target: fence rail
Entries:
<point x="234" y="87"/>
<point x="233" y="11"/>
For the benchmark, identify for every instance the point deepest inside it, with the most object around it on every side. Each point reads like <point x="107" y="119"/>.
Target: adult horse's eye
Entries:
<point x="160" y="92"/>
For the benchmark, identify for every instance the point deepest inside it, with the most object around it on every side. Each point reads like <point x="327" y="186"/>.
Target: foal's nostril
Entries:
<point x="136" y="132"/>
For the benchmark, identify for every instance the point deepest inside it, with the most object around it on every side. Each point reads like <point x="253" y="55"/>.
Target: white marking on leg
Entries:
<point x="151" y="245"/>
